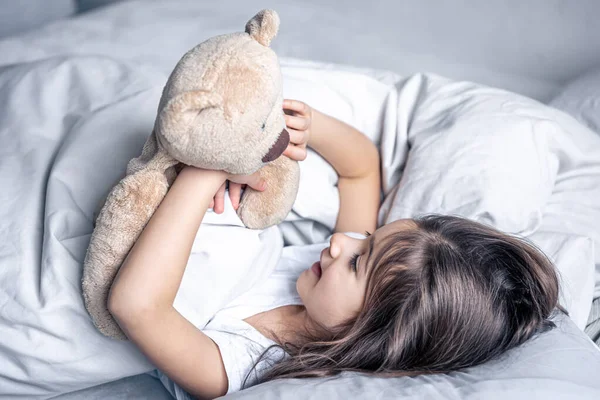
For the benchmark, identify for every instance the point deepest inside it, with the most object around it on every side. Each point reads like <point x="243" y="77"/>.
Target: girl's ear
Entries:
<point x="263" y="27"/>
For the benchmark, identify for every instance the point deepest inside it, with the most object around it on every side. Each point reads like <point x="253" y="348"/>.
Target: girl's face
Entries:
<point x="333" y="290"/>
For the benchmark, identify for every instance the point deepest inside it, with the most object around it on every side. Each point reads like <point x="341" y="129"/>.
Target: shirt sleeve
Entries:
<point x="242" y="347"/>
<point x="239" y="355"/>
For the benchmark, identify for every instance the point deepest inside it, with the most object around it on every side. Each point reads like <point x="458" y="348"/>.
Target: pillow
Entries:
<point x="581" y="99"/>
<point x="474" y="151"/>
<point x="562" y="363"/>
<point x="573" y="256"/>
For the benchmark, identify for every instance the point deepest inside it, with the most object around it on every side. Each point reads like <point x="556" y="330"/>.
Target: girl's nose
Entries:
<point x="335" y="244"/>
<point x="339" y="240"/>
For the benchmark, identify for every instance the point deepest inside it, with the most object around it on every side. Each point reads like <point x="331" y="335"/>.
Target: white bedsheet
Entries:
<point x="62" y="107"/>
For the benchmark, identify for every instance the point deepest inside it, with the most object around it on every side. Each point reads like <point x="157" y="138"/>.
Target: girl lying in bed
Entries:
<point x="424" y="295"/>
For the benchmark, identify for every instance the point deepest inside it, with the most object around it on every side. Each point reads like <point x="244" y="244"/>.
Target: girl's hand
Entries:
<point x="236" y="184"/>
<point x="298" y="120"/>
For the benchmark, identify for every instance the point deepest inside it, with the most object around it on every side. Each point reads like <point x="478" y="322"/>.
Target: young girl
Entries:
<point x="425" y="295"/>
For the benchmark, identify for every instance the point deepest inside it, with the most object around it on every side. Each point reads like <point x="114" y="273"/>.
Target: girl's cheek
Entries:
<point x="334" y="287"/>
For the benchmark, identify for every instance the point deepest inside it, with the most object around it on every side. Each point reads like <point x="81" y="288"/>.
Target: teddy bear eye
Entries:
<point x="263" y="126"/>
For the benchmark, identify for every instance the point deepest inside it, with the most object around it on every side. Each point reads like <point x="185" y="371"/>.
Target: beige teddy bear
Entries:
<point x="220" y="109"/>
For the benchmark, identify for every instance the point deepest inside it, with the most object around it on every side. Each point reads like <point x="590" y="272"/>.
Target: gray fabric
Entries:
<point x="140" y="387"/>
<point x="559" y="364"/>
<point x="593" y="327"/>
<point x="21" y="15"/>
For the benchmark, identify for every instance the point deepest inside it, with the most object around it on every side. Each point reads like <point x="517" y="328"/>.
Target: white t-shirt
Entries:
<point x="240" y="344"/>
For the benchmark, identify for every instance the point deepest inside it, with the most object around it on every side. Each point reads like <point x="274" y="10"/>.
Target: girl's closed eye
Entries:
<point x="354" y="259"/>
<point x="354" y="262"/>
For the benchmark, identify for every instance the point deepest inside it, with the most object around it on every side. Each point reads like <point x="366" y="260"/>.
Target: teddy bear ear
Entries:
<point x="263" y="27"/>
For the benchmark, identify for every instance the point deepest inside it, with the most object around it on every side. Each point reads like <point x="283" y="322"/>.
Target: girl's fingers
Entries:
<point x="220" y="199"/>
<point x="298" y="137"/>
<point x="254" y="180"/>
<point x="297" y="153"/>
<point x="212" y="203"/>
<point x="235" y="192"/>
<point x="299" y="123"/>
<point x="296" y="105"/>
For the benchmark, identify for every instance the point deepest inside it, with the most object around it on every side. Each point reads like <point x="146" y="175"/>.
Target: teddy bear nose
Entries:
<point x="278" y="147"/>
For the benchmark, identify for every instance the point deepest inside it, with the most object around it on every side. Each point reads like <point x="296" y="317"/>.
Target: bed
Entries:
<point x="92" y="81"/>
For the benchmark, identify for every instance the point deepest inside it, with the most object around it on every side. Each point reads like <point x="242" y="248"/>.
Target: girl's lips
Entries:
<point x="316" y="268"/>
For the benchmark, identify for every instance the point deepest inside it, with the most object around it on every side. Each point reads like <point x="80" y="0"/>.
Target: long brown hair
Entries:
<point x="450" y="294"/>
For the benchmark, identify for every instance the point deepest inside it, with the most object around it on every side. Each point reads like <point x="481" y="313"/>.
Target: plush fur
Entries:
<point x="220" y="109"/>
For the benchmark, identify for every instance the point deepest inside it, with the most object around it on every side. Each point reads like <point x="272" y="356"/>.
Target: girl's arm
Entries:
<point x="142" y="294"/>
<point x="354" y="157"/>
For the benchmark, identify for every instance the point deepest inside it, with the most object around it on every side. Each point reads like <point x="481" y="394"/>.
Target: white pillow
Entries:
<point x="475" y="151"/>
<point x="581" y="99"/>
<point x="573" y="256"/>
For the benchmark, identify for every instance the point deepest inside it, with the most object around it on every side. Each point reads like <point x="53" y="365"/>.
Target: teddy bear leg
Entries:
<point x="127" y="210"/>
<point x="259" y="210"/>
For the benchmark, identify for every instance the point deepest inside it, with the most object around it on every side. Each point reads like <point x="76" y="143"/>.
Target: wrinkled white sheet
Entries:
<point x="70" y="122"/>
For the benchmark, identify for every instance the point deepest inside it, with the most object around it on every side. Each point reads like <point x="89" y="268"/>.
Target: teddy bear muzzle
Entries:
<point x="278" y="147"/>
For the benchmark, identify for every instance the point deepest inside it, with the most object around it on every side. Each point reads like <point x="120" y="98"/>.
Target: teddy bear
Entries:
<point x="221" y="108"/>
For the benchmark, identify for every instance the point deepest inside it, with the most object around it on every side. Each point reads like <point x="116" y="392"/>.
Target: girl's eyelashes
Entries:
<point x="354" y="262"/>
<point x="354" y="259"/>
